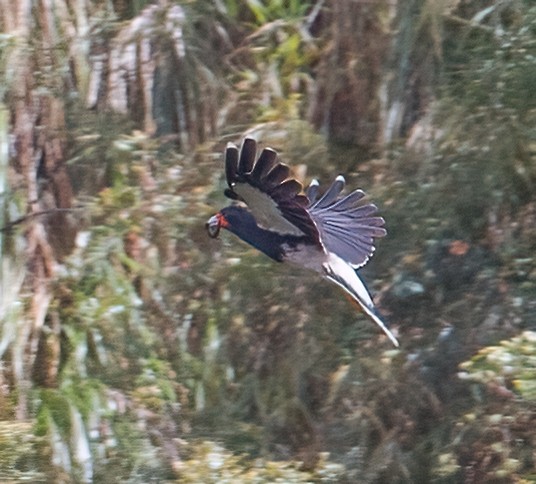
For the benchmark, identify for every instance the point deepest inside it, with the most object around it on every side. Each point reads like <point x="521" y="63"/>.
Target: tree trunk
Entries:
<point x="147" y="72"/>
<point x="347" y="101"/>
<point x="38" y="173"/>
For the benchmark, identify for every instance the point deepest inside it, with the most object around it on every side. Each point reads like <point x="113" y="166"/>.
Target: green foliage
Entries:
<point x="114" y="371"/>
<point x="156" y="386"/>
<point x="487" y="113"/>
<point x="493" y="439"/>
<point x="55" y="406"/>
<point x="115" y="301"/>
<point x="185" y="358"/>
<point x="20" y="457"/>
<point x="510" y="365"/>
<point x="265" y="11"/>
<point x="272" y="69"/>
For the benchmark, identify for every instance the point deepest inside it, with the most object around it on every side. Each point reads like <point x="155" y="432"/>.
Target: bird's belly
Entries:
<point x="308" y="256"/>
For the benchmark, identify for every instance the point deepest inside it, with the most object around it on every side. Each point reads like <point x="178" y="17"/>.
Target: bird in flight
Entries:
<point x="332" y="235"/>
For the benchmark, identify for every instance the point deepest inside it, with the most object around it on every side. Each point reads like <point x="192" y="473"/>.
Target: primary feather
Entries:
<point x="332" y="234"/>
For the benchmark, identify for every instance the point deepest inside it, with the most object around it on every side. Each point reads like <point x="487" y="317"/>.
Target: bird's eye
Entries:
<point x="213" y="226"/>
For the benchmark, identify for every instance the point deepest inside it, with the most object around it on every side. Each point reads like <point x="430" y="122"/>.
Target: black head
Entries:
<point x="234" y="218"/>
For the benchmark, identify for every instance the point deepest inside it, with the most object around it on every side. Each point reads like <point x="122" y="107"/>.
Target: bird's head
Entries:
<point x="233" y="218"/>
<point x="214" y="224"/>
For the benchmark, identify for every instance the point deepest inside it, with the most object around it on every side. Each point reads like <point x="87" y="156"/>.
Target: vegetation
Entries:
<point x="136" y="349"/>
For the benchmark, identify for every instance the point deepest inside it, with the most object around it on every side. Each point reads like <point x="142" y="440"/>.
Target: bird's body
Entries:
<point x="332" y="236"/>
<point x="275" y="245"/>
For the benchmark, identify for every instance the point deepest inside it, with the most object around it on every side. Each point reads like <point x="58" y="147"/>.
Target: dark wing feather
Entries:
<point x="286" y="190"/>
<point x="278" y="174"/>
<point x="273" y="198"/>
<point x="231" y="164"/>
<point x="247" y="156"/>
<point x="264" y="164"/>
<point x="347" y="226"/>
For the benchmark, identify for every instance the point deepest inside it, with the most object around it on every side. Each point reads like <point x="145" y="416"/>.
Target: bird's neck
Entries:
<point x="270" y="243"/>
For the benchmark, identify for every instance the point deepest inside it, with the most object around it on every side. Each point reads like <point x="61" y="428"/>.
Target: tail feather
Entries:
<point x="342" y="274"/>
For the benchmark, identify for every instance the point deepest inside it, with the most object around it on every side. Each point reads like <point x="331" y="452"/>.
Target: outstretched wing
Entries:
<point x="265" y="186"/>
<point x="347" y="226"/>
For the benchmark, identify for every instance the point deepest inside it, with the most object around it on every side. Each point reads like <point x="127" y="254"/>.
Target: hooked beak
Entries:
<point x="213" y="226"/>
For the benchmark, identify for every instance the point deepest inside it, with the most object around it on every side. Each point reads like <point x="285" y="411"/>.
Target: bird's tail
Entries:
<point x="344" y="275"/>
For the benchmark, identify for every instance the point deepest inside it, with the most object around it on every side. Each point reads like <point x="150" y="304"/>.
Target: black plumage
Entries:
<point x="332" y="235"/>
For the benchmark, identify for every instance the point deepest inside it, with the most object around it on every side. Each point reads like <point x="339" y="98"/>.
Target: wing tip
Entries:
<point x="249" y="140"/>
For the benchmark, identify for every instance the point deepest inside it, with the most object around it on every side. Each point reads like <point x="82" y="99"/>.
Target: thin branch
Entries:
<point x="9" y="226"/>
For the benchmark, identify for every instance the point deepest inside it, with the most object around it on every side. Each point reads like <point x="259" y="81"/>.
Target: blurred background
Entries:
<point x="133" y="348"/>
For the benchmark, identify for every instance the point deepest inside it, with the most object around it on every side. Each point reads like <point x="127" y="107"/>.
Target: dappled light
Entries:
<point x="136" y="348"/>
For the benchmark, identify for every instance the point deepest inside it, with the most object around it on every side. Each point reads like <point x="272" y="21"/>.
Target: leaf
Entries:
<point x="258" y="10"/>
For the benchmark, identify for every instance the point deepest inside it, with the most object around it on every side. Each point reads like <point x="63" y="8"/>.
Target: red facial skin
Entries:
<point x="215" y="223"/>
